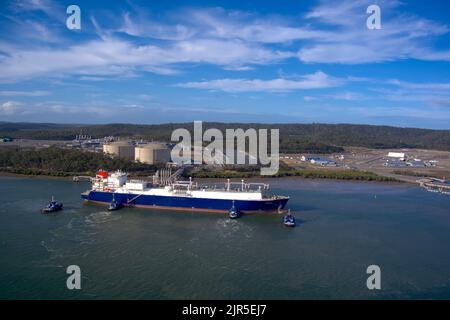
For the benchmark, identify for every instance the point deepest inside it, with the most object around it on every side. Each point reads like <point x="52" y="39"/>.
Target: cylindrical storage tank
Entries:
<point x="152" y="153"/>
<point x="122" y="149"/>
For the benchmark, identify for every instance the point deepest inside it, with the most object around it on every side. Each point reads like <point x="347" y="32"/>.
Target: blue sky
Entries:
<point x="238" y="61"/>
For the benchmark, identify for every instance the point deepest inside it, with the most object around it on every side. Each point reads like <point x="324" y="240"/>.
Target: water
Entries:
<point x="136" y="253"/>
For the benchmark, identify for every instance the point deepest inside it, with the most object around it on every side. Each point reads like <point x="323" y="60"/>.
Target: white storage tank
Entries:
<point x="152" y="153"/>
<point x="122" y="149"/>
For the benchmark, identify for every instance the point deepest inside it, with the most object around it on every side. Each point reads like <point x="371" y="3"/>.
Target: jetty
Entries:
<point x="435" y="185"/>
<point x="82" y="178"/>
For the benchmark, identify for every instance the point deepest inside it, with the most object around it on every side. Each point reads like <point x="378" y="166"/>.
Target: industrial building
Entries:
<point x="397" y="155"/>
<point x="121" y="149"/>
<point x="309" y="158"/>
<point x="318" y="160"/>
<point x="152" y="153"/>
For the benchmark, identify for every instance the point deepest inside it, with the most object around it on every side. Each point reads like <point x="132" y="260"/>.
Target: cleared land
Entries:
<point x="373" y="160"/>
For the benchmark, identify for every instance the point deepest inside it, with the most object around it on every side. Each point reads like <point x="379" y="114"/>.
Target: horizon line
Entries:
<point x="219" y="122"/>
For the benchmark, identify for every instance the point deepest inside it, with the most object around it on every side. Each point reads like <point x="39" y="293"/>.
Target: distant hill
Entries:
<point x="16" y="126"/>
<point x="313" y="138"/>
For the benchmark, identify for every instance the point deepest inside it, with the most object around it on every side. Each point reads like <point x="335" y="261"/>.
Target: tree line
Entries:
<point x="55" y="161"/>
<point x="308" y="138"/>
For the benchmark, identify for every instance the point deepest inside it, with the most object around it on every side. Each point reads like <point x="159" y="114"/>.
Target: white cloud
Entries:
<point x="232" y="24"/>
<point x="92" y="78"/>
<point x="345" y="40"/>
<point x="132" y="106"/>
<point x="215" y="23"/>
<point x="145" y="97"/>
<point x="10" y="107"/>
<point x="112" y="56"/>
<point x="64" y="108"/>
<point x="37" y="93"/>
<point x="233" y="40"/>
<point x="139" y="24"/>
<point x="402" y="36"/>
<point x="428" y="93"/>
<point x="347" y="95"/>
<point x="29" y="30"/>
<point x="316" y="80"/>
<point x="51" y="8"/>
<point x="342" y="95"/>
<point x="309" y="98"/>
<point x="225" y="53"/>
<point x="418" y="85"/>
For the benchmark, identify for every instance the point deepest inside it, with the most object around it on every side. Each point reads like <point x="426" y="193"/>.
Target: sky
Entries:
<point x="229" y="61"/>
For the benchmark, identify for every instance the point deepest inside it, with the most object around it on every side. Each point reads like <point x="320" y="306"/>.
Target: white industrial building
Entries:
<point x="307" y="158"/>
<point x="317" y="160"/>
<point x="397" y="155"/>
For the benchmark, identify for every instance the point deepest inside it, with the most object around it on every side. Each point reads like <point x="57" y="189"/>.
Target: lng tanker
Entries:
<point x="165" y="193"/>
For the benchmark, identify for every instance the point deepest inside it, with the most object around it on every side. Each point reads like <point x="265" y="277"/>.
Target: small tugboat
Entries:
<point x="114" y="205"/>
<point x="53" y="206"/>
<point x="289" y="219"/>
<point x="233" y="212"/>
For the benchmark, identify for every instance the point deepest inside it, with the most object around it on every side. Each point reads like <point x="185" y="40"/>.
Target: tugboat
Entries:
<point x="233" y="212"/>
<point x="289" y="219"/>
<point x="114" y="205"/>
<point x="53" y="206"/>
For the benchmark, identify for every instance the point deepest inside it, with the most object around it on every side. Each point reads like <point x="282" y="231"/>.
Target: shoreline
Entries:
<point x="212" y="179"/>
<point x="19" y="175"/>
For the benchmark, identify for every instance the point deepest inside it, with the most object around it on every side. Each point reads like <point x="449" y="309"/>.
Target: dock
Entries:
<point x="435" y="185"/>
<point x="81" y="178"/>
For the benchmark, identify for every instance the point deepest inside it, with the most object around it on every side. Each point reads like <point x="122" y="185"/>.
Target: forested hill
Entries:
<point x="293" y="137"/>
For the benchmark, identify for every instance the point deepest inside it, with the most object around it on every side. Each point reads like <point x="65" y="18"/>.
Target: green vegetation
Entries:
<point x="294" y="138"/>
<point x="416" y="174"/>
<point x="60" y="162"/>
<point x="55" y="161"/>
<point x="338" y="174"/>
<point x="253" y="171"/>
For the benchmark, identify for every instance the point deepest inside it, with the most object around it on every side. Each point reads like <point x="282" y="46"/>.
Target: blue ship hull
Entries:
<point x="186" y="203"/>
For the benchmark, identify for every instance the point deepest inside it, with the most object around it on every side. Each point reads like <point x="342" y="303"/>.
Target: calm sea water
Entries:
<point x="136" y="253"/>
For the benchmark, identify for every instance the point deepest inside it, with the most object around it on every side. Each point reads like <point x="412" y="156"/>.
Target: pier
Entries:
<point x="435" y="185"/>
<point x="81" y="178"/>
